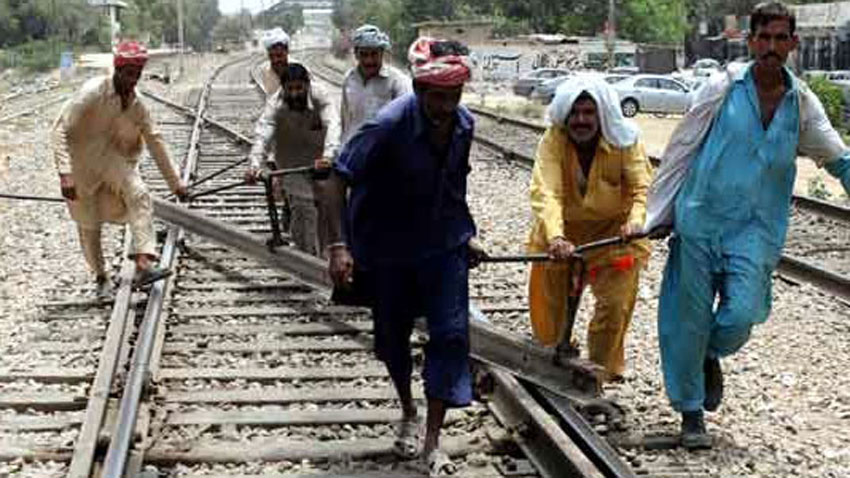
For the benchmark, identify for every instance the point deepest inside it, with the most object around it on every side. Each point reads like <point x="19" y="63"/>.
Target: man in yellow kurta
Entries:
<point x="590" y="181"/>
<point x="96" y="142"/>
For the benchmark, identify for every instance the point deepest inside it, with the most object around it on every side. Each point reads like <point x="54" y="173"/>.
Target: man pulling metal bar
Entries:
<point x="96" y="142"/>
<point x="302" y="128"/>
<point x="408" y="226"/>
<point x="589" y="182"/>
<point x="725" y="184"/>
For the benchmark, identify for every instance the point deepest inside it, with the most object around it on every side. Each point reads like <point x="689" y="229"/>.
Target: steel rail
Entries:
<point x="237" y="136"/>
<point x="35" y="108"/>
<point x="86" y="445"/>
<point x="550" y="449"/>
<point x="504" y="356"/>
<point x="117" y="454"/>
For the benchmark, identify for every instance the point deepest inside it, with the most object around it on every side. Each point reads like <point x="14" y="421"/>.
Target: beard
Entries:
<point x="297" y="103"/>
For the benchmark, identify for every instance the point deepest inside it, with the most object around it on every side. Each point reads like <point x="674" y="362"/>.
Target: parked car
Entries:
<point x="624" y="70"/>
<point x="615" y="78"/>
<point x="545" y="91"/>
<point x="652" y="94"/>
<point x="706" y="66"/>
<point x="526" y="83"/>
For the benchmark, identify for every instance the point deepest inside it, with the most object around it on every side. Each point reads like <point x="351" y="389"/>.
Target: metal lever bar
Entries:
<point x="543" y="257"/>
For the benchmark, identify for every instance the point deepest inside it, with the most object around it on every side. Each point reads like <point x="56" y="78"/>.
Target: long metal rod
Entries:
<point x="24" y="197"/>
<point x="218" y="189"/>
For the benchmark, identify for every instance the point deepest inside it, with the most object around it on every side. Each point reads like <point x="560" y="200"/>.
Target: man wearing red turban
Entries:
<point x="96" y="142"/>
<point x="407" y="228"/>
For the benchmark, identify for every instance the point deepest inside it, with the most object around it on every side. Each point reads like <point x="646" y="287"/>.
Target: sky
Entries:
<point x="233" y="6"/>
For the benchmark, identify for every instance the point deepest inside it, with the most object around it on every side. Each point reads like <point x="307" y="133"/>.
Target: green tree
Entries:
<point x="653" y="21"/>
<point x="291" y="19"/>
<point x="231" y="29"/>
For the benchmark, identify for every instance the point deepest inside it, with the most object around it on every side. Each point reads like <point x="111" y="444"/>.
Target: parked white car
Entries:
<point x="652" y="94"/>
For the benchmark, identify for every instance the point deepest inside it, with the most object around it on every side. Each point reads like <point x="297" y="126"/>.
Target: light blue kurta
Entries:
<point x="731" y="217"/>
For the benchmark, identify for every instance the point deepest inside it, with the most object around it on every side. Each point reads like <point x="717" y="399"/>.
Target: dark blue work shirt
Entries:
<point x="406" y="202"/>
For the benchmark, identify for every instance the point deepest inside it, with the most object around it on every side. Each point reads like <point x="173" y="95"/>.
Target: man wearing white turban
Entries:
<point x="276" y="43"/>
<point x="371" y="84"/>
<point x="589" y="182"/>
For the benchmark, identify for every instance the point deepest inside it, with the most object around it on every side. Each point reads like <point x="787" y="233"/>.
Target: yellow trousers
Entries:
<point x="615" y="291"/>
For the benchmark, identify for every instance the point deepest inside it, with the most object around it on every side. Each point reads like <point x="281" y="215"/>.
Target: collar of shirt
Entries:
<point x="746" y="74"/>
<point x="420" y="122"/>
<point x="747" y="77"/>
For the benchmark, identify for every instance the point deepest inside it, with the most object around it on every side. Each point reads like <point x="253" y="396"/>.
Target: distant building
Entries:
<point x="824" y="31"/>
<point x="468" y="32"/>
<point x="507" y="58"/>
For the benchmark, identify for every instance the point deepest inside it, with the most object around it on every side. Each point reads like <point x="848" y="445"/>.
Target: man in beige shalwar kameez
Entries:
<point x="96" y="142"/>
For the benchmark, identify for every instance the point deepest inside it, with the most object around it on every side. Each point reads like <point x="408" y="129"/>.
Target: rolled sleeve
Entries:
<point x="547" y="185"/>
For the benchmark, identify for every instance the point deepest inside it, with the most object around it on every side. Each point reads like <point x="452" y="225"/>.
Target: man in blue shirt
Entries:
<point x="731" y="212"/>
<point x="408" y="224"/>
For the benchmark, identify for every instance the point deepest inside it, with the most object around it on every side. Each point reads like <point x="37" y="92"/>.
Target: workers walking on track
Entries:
<point x="302" y="128"/>
<point x="276" y="43"/>
<point x="371" y="84"/>
<point x="408" y="227"/>
<point x="589" y="183"/>
<point x="96" y="142"/>
<point x="725" y="183"/>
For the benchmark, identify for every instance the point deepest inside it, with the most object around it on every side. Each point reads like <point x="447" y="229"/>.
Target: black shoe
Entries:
<point x="713" y="384"/>
<point x="103" y="290"/>
<point x="149" y="276"/>
<point x="694" y="436"/>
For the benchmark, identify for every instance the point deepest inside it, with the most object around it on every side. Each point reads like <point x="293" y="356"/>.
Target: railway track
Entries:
<point x="497" y="291"/>
<point x="240" y="359"/>
<point x="513" y="140"/>
<point x="236" y="360"/>
<point x="53" y="410"/>
<point x="23" y="104"/>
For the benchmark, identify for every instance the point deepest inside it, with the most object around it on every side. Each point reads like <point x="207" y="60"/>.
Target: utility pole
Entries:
<point x="180" y="32"/>
<point x="610" y="35"/>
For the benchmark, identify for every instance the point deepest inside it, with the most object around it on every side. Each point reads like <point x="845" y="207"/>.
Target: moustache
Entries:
<point x="771" y="54"/>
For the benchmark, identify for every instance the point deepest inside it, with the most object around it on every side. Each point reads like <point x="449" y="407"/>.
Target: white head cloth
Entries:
<point x="370" y="36"/>
<point x="275" y="36"/>
<point x="616" y="129"/>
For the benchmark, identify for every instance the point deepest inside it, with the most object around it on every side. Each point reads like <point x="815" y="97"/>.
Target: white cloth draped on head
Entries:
<point x="616" y="129"/>
<point x="274" y="37"/>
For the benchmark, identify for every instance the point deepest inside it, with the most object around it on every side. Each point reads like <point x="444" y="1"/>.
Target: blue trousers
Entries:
<point x="712" y="293"/>
<point x="437" y="289"/>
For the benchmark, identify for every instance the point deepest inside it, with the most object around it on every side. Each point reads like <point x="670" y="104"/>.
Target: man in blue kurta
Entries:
<point x="731" y="211"/>
<point x="408" y="225"/>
